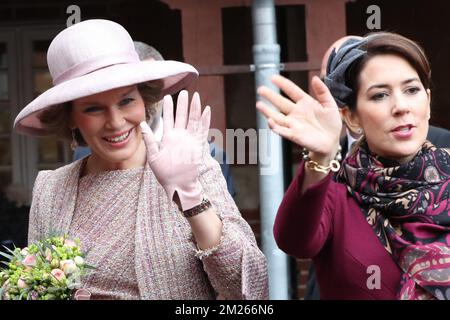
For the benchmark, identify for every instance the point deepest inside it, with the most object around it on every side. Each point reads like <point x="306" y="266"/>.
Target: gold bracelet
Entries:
<point x="333" y="166"/>
<point x="315" y="166"/>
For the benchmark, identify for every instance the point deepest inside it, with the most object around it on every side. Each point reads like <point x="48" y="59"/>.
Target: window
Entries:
<point x="5" y="112"/>
<point x="23" y="76"/>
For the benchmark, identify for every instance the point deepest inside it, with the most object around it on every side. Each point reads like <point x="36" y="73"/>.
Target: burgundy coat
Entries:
<point x="326" y="224"/>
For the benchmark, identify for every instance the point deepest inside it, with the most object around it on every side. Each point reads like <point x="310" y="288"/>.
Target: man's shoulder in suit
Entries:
<point x="439" y="137"/>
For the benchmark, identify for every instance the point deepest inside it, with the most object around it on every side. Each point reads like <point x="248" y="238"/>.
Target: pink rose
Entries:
<point x="58" y="274"/>
<point x="21" y="284"/>
<point x="48" y="255"/>
<point x="29" y="260"/>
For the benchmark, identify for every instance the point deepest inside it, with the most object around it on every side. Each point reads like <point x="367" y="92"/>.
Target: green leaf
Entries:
<point x="48" y="246"/>
<point x="17" y="255"/>
<point x="87" y="266"/>
<point x="54" y="289"/>
<point x="9" y="250"/>
<point x="7" y="256"/>
<point x="12" y="251"/>
<point x="21" y="295"/>
<point x="39" y="246"/>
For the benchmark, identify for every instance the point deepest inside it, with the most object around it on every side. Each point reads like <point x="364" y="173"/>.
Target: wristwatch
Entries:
<point x="203" y="206"/>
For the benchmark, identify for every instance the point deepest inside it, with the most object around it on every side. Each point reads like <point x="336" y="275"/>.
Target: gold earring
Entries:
<point x="73" y="143"/>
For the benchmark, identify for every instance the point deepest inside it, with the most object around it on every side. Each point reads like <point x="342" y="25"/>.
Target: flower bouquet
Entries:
<point x="46" y="270"/>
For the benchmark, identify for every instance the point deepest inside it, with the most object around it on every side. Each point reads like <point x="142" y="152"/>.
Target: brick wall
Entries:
<point x="303" y="266"/>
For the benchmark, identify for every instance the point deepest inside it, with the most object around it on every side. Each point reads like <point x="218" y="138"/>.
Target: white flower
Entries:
<point x="78" y="260"/>
<point x="24" y="251"/>
<point x="68" y="266"/>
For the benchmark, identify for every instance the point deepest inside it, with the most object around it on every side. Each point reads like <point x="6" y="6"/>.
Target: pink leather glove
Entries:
<point x="176" y="160"/>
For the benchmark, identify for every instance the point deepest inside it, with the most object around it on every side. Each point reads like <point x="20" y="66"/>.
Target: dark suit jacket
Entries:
<point x="439" y="137"/>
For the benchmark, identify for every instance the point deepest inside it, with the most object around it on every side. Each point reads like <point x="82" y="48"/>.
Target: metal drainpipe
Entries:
<point x="266" y="55"/>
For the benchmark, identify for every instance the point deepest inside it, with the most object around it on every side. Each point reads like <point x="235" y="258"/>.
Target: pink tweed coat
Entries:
<point x="167" y="262"/>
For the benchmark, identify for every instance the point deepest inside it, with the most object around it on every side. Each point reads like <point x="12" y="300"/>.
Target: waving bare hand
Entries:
<point x="311" y="123"/>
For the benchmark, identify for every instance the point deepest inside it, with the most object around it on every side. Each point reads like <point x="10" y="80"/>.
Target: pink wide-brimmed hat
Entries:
<point x="94" y="56"/>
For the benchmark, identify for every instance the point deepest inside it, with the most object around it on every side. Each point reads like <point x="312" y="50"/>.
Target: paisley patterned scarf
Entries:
<point x="408" y="207"/>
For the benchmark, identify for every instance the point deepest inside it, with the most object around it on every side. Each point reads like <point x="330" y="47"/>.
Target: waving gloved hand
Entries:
<point x="176" y="160"/>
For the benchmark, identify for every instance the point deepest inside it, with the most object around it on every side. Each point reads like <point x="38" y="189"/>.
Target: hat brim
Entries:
<point x="175" y="76"/>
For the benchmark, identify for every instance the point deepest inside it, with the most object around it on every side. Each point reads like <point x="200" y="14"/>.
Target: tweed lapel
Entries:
<point x="66" y="197"/>
<point x="161" y="243"/>
<point x="142" y="259"/>
<point x="150" y="248"/>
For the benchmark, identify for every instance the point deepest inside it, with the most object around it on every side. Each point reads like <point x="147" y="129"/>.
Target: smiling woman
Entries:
<point x="387" y="207"/>
<point x="117" y="112"/>
<point x="109" y="122"/>
<point x="152" y="216"/>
